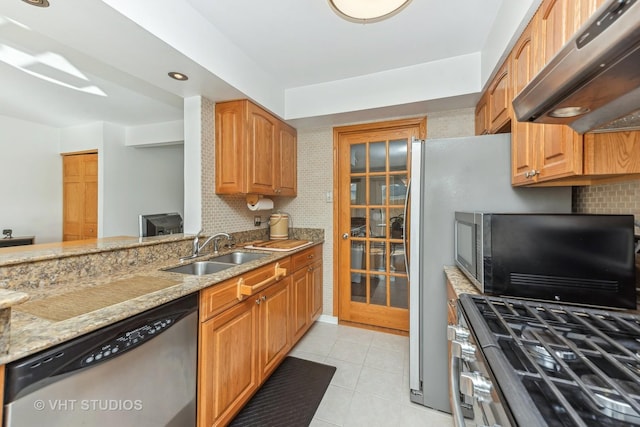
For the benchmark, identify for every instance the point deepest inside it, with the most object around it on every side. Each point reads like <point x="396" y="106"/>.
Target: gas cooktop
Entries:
<point x="572" y="366"/>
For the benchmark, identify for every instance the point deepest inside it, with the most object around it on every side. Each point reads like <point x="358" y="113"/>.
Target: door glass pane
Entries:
<point x="395" y="223"/>
<point x="397" y="189"/>
<point x="358" y="222"/>
<point x="398" y="155"/>
<point x="377" y="157"/>
<point x="377" y="257"/>
<point x="358" y="277"/>
<point x="377" y="223"/>
<point x="377" y="190"/>
<point x="399" y="291"/>
<point x="358" y="158"/>
<point x="378" y="290"/>
<point x="396" y="258"/>
<point x="358" y="190"/>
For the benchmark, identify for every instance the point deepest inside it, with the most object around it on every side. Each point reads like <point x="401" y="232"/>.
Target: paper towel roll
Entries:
<point x="262" y="204"/>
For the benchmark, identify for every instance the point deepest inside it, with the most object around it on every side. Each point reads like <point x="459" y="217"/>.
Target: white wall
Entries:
<point x="30" y="180"/>
<point x="131" y="180"/>
<point x="138" y="181"/>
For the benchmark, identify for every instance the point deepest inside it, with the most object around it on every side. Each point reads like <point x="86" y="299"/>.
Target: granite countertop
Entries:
<point x="29" y="333"/>
<point x="45" y="251"/>
<point x="460" y="283"/>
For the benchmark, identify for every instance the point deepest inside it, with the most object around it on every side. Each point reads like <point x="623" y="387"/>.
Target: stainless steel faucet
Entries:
<point x="196" y="247"/>
<point x="216" y="241"/>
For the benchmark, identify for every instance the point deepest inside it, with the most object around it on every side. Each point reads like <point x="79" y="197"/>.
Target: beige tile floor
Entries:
<point x="371" y="385"/>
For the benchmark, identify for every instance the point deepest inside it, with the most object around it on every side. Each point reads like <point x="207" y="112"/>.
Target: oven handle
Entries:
<point x="456" y="407"/>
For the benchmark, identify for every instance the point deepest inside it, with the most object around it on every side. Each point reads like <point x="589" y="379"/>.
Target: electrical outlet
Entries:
<point x="257" y="221"/>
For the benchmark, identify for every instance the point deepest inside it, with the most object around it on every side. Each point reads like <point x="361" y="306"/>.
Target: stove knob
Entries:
<point x="473" y="384"/>
<point x="457" y="332"/>
<point x="463" y="350"/>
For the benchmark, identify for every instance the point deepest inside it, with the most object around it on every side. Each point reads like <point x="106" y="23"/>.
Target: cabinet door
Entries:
<point x="499" y="98"/>
<point x="522" y="133"/>
<point x="260" y="149"/>
<point x="299" y="306"/>
<point x="275" y="340"/>
<point x="559" y="148"/>
<point x="553" y="29"/>
<point x="227" y="370"/>
<point x="482" y="117"/>
<point x="230" y="147"/>
<point x="285" y="165"/>
<point x="315" y="290"/>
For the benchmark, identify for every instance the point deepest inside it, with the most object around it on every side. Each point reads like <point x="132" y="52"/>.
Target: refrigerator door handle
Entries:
<point x="404" y="229"/>
<point x="415" y="292"/>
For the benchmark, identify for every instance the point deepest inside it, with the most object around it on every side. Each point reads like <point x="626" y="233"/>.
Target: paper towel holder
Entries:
<point x="252" y="199"/>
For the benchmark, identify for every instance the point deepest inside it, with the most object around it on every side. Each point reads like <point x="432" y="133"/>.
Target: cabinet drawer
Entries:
<point x="306" y="257"/>
<point x="221" y="296"/>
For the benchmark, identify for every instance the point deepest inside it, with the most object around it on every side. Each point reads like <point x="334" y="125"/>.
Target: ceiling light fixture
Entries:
<point x="178" y="76"/>
<point x="39" y="3"/>
<point x="367" y="11"/>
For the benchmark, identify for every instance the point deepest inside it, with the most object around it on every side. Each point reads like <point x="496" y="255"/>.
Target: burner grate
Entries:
<point x="559" y="346"/>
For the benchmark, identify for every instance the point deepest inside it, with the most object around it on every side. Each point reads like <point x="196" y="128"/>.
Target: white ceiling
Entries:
<point x="293" y="42"/>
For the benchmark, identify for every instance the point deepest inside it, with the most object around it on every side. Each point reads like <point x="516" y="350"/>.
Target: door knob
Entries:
<point x="345" y="236"/>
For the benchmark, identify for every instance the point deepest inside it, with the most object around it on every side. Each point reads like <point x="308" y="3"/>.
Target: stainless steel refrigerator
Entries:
<point x="448" y="175"/>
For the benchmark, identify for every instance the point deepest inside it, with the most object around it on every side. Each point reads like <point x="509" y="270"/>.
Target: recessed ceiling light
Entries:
<point x="39" y="3"/>
<point x="366" y="11"/>
<point x="178" y="76"/>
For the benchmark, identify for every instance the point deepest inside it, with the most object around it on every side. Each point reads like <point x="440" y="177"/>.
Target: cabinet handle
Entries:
<point x="310" y="269"/>
<point x="258" y="301"/>
<point x="248" y="290"/>
<point x="264" y="297"/>
<point x="531" y="173"/>
<point x="310" y="256"/>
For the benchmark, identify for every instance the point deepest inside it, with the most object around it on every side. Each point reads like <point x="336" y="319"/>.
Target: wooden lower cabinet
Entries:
<point x="239" y="349"/>
<point x="299" y="306"/>
<point x="274" y="331"/>
<point x="227" y="363"/>
<point x="306" y="295"/>
<point x="242" y="342"/>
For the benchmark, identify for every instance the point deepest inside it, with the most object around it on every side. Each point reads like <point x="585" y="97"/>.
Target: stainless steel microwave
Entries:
<point x="573" y="258"/>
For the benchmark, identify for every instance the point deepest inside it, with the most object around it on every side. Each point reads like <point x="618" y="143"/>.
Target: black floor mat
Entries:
<point x="289" y="397"/>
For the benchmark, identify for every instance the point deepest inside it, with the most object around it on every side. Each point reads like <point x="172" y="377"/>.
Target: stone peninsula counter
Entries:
<point x="56" y="292"/>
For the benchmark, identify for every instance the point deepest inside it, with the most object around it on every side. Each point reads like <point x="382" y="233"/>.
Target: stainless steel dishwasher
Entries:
<point x="137" y="372"/>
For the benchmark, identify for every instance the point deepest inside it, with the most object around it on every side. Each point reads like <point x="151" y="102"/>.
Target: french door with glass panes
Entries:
<point x="372" y="177"/>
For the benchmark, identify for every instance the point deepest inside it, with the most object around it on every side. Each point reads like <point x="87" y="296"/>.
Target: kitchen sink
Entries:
<point x="200" y="268"/>
<point x="238" y="257"/>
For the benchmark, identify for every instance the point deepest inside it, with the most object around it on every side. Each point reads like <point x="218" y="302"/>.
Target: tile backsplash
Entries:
<point x="619" y="198"/>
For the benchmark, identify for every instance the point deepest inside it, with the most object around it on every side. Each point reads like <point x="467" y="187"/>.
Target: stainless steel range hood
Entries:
<point x="593" y="83"/>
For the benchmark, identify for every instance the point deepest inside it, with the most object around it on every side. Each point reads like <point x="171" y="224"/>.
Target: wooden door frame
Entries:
<point x="338" y="132"/>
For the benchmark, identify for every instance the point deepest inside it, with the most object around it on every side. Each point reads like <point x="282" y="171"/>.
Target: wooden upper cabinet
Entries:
<point x="261" y="150"/>
<point x="499" y="99"/>
<point x="286" y="158"/>
<point x="522" y="133"/>
<point x="555" y="26"/>
<point x="255" y="151"/>
<point x="482" y="115"/>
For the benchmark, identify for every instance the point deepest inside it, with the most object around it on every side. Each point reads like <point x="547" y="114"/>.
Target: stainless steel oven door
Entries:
<point x="473" y="396"/>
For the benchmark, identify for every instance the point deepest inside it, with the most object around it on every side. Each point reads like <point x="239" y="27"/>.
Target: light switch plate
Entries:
<point x="329" y="197"/>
